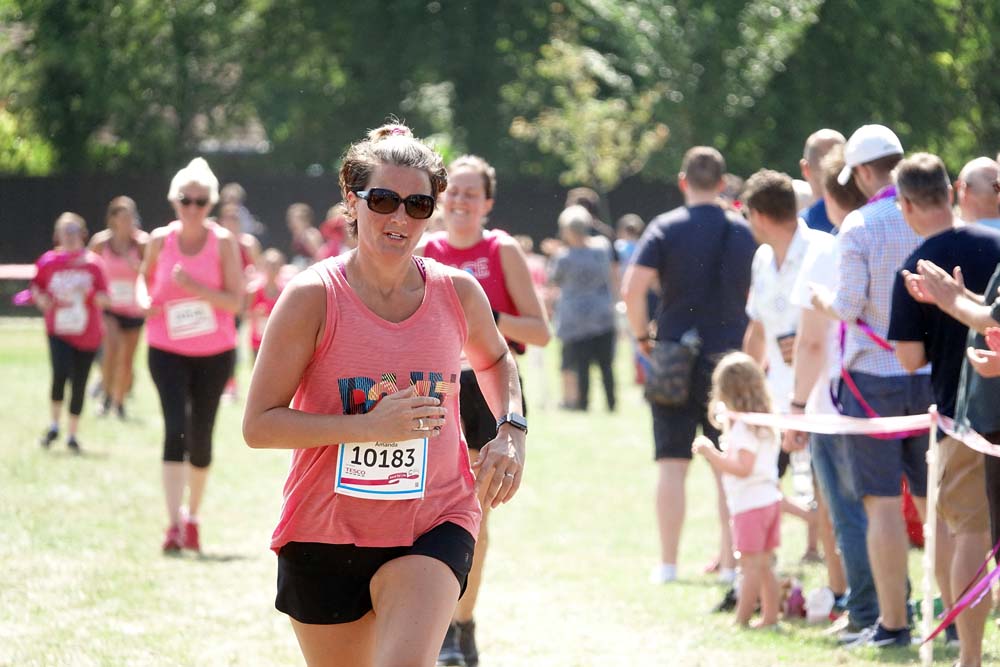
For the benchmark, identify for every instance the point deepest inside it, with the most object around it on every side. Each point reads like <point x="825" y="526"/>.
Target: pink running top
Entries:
<point x="363" y="357"/>
<point x="72" y="279"/>
<point x="261" y="306"/>
<point x="123" y="279"/>
<point x="188" y="325"/>
<point x="481" y="260"/>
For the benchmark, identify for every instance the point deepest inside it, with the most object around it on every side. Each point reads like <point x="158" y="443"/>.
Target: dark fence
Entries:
<point x="29" y="206"/>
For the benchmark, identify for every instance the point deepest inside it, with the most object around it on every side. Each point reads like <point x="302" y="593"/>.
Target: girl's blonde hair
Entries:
<point x="738" y="382"/>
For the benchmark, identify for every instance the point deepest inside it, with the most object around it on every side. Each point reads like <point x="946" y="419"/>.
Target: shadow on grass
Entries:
<point x="895" y="655"/>
<point x="206" y="557"/>
<point x="83" y="454"/>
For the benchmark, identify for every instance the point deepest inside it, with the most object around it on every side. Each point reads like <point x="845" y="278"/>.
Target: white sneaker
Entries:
<point x="663" y="573"/>
<point x="727" y="575"/>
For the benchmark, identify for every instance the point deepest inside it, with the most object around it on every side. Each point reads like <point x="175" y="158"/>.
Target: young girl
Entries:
<point x="264" y="294"/>
<point x="749" y="467"/>
<point x="70" y="289"/>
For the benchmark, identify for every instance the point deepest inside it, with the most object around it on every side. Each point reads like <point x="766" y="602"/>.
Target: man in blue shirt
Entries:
<point x="817" y="146"/>
<point x="700" y="255"/>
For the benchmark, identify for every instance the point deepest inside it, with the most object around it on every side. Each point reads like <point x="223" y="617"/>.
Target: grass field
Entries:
<point x="83" y="581"/>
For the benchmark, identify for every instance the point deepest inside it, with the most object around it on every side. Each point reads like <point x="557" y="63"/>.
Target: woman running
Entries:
<point x="380" y="515"/>
<point x="121" y="247"/>
<point x="195" y="286"/>
<point x="498" y="263"/>
<point x="70" y="288"/>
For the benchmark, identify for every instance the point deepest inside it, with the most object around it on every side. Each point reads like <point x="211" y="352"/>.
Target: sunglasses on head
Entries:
<point x="201" y="202"/>
<point x="380" y="200"/>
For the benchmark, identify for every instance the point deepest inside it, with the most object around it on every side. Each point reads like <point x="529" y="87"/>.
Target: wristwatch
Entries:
<point x="515" y="420"/>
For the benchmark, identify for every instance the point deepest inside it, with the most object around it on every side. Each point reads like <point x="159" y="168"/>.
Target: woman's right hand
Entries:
<point x="404" y="415"/>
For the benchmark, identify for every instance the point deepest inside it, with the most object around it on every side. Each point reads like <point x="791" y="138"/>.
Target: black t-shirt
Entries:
<point x="977" y="250"/>
<point x="683" y="246"/>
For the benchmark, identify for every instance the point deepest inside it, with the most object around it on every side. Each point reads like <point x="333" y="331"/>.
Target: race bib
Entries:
<point x="382" y="470"/>
<point x="71" y="320"/>
<point x="187" y="318"/>
<point x="122" y="293"/>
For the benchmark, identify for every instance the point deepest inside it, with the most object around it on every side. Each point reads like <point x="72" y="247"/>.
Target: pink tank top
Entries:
<point x="361" y="358"/>
<point x="188" y="325"/>
<point x="481" y="260"/>
<point x="123" y="280"/>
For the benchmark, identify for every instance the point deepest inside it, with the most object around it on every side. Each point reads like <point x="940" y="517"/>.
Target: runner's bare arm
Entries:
<point x="531" y="325"/>
<point x="295" y="330"/>
<point x="501" y="461"/>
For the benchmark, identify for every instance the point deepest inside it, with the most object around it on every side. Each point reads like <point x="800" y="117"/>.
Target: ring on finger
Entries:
<point x="420" y="424"/>
<point x="509" y="474"/>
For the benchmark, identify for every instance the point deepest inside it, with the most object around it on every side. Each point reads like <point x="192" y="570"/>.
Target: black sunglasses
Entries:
<point x="380" y="200"/>
<point x="187" y="201"/>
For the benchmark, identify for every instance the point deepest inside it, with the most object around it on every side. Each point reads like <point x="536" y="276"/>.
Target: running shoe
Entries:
<point x="728" y="602"/>
<point x="120" y="411"/>
<point x="74" y="445"/>
<point x="49" y="437"/>
<point x="172" y="540"/>
<point x="848" y="632"/>
<point x="191" y="541"/>
<point x="878" y="636"/>
<point x="664" y="573"/>
<point x="467" y="643"/>
<point x="451" y="652"/>
<point x="951" y="636"/>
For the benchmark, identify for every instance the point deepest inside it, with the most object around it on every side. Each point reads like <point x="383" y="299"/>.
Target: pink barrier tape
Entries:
<point x="968" y="437"/>
<point x="973" y="597"/>
<point x="17" y="271"/>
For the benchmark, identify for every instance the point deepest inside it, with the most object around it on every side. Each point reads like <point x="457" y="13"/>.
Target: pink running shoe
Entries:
<point x="191" y="540"/>
<point x="172" y="540"/>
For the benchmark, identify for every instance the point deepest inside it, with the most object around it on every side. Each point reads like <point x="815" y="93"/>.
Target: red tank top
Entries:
<point x="73" y="279"/>
<point x="483" y="262"/>
<point x="361" y="358"/>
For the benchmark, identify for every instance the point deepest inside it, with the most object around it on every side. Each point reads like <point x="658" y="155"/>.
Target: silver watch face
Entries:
<point x="515" y="420"/>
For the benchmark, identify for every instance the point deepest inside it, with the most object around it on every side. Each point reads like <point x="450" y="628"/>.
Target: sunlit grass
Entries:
<point x="83" y="581"/>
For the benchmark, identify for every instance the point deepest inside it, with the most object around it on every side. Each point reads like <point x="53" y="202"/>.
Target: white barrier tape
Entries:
<point x="835" y="424"/>
<point x="841" y="425"/>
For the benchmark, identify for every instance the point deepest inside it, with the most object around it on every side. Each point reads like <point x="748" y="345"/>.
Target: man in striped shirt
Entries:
<point x="874" y="241"/>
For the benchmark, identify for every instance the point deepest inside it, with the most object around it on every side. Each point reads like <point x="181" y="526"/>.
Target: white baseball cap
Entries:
<point x="869" y="142"/>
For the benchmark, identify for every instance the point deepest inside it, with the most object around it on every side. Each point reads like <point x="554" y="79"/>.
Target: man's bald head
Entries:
<point x="976" y="194"/>
<point x="817" y="146"/>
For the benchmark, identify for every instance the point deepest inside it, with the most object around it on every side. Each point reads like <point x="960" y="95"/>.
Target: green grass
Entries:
<point x="83" y="582"/>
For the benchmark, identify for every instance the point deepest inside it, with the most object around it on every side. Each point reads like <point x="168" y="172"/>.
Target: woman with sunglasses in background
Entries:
<point x="195" y="284"/>
<point x="358" y="375"/>
<point x="70" y="288"/>
<point x="498" y="262"/>
<point x="121" y="247"/>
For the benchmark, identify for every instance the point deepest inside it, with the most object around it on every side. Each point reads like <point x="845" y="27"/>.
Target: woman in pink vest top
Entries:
<point x="195" y="288"/>
<point x="121" y="246"/>
<point x="499" y="264"/>
<point x="358" y="375"/>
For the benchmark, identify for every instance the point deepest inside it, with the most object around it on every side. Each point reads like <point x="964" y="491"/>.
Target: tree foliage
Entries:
<point x="578" y="89"/>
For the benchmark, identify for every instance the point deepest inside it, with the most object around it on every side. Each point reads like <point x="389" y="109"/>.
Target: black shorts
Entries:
<point x="478" y="423"/>
<point x="674" y="428"/>
<point x="326" y="584"/>
<point x="126" y="323"/>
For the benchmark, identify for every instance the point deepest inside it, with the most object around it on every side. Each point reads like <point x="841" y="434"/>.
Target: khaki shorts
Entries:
<point x="962" y="492"/>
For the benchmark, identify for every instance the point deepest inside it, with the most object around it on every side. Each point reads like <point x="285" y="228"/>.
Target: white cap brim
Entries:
<point x="845" y="174"/>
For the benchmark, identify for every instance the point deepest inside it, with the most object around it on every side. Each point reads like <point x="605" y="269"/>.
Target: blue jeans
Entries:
<point x="850" y="523"/>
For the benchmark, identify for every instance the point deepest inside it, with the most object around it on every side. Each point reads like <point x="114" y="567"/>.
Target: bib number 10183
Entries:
<point x="382" y="470"/>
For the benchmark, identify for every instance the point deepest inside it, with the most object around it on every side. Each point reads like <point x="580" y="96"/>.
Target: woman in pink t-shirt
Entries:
<point x="195" y="284"/>
<point x="121" y="247"/>
<point x="69" y="287"/>
<point x="358" y="374"/>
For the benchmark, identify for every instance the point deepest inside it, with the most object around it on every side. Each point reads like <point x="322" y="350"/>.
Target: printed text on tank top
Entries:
<point x="122" y="261"/>
<point x="385" y="470"/>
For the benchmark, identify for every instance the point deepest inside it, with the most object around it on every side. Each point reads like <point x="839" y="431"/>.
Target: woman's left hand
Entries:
<point x="499" y="467"/>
